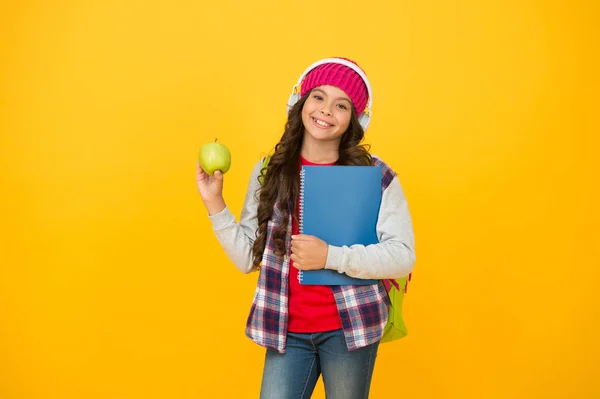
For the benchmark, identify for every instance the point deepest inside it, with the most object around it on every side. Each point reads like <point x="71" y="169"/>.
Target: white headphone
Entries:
<point x="365" y="117"/>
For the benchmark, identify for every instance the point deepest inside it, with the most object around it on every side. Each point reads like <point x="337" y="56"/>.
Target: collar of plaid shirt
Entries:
<point x="363" y="309"/>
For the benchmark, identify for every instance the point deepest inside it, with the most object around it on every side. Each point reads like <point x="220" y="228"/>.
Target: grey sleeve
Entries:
<point x="394" y="255"/>
<point x="237" y="238"/>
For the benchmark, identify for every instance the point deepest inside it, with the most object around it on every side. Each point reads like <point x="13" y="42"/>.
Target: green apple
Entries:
<point x="214" y="156"/>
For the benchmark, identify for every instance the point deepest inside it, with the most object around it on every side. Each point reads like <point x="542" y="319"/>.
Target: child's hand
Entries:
<point x="308" y="252"/>
<point x="211" y="190"/>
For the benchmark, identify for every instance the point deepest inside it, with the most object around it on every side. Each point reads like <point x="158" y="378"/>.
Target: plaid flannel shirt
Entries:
<point x="363" y="309"/>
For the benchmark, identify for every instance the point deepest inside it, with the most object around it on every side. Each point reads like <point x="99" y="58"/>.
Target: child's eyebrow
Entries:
<point x="339" y="98"/>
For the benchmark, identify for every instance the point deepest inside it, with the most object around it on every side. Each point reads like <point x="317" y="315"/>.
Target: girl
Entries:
<point x="311" y="330"/>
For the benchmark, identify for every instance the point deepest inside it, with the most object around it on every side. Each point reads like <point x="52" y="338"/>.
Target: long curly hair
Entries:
<point x="281" y="177"/>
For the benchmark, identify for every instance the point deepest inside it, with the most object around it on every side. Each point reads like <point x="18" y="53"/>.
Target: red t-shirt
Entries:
<point x="311" y="308"/>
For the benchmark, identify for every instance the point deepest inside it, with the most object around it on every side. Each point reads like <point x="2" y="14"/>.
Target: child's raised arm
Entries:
<point x="236" y="238"/>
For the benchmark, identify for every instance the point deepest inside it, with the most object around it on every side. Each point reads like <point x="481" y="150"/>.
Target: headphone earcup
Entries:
<point x="364" y="120"/>
<point x="294" y="97"/>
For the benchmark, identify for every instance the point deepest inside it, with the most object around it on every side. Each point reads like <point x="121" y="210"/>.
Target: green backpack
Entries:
<point x="395" y="327"/>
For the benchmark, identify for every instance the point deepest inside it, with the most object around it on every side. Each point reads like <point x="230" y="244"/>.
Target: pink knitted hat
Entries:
<point x="340" y="76"/>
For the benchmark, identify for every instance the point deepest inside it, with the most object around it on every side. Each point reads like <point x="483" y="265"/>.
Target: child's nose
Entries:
<point x="326" y="110"/>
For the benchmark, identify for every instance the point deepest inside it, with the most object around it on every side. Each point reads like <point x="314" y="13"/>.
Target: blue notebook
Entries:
<point x="339" y="205"/>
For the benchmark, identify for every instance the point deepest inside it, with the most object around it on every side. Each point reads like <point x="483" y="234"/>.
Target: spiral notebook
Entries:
<point x="339" y="205"/>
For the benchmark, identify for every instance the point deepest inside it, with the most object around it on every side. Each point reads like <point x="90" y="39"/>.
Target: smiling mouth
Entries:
<point x="321" y="123"/>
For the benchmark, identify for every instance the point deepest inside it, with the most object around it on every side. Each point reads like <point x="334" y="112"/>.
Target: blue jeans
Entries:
<point x="294" y="374"/>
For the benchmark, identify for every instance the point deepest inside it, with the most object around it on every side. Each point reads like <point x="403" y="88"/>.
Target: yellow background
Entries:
<point x="111" y="282"/>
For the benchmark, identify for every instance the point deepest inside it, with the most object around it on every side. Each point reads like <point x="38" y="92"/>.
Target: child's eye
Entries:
<point x="318" y="97"/>
<point x="342" y="106"/>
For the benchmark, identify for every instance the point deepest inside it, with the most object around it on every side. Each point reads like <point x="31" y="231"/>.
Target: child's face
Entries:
<point x="326" y="113"/>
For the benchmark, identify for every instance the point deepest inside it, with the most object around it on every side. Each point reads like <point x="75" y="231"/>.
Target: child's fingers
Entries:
<point x="218" y="177"/>
<point x="302" y="237"/>
<point x="201" y="173"/>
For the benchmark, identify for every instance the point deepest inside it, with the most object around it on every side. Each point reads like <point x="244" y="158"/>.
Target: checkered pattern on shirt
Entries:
<point x="363" y="309"/>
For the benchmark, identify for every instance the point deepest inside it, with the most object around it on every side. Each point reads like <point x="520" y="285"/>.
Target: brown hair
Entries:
<point x="282" y="178"/>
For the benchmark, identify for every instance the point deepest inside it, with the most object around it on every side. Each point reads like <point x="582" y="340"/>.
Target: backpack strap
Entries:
<point x="388" y="284"/>
<point x="265" y="163"/>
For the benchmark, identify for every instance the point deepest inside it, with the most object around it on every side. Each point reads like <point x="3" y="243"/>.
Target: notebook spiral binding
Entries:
<point x="300" y="211"/>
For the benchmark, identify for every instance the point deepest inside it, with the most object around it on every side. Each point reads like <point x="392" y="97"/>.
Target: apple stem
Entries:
<point x="215" y="140"/>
